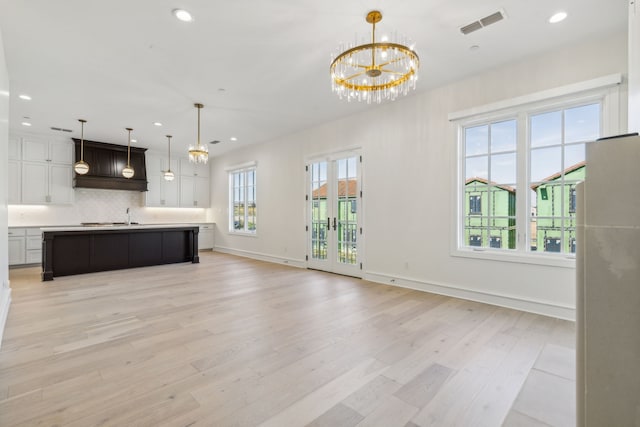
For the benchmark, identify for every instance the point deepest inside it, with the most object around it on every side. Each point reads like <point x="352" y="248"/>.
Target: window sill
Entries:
<point x="242" y="233"/>
<point x="562" y="260"/>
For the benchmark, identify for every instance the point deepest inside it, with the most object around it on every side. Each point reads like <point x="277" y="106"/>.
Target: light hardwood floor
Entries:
<point x="239" y="342"/>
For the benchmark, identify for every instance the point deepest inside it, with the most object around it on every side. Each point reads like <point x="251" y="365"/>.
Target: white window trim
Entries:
<point x="604" y="89"/>
<point x="243" y="167"/>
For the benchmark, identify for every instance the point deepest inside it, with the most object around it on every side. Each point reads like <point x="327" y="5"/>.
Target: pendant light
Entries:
<point x="168" y="175"/>
<point x="198" y="153"/>
<point x="81" y="167"/>
<point x="128" y="171"/>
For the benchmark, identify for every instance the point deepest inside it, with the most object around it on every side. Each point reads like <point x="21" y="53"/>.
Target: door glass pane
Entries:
<point x="319" y="214"/>
<point x="346" y="215"/>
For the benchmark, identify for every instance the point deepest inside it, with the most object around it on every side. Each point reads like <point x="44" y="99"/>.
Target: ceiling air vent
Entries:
<point x="61" y="129"/>
<point x="215" y="141"/>
<point x="481" y="23"/>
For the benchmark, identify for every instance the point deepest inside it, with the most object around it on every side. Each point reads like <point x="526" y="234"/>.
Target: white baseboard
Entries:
<point x="5" y="302"/>
<point x="544" y="308"/>
<point x="263" y="257"/>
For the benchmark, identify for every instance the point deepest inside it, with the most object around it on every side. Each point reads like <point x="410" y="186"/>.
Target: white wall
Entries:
<point x="408" y="147"/>
<point x="5" y="290"/>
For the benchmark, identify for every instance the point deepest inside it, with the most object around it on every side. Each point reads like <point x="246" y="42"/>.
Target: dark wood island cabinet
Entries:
<point x="77" y="250"/>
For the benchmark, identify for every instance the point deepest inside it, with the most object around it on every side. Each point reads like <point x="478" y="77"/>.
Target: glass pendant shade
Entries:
<point x="168" y="175"/>
<point x="81" y="167"/>
<point x="128" y="171"/>
<point x="198" y="153"/>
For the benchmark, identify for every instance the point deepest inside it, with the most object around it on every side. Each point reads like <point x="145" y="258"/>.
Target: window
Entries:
<point x="242" y="200"/>
<point x="475" y="240"/>
<point x="490" y="180"/>
<point x="474" y="205"/>
<point x="518" y="167"/>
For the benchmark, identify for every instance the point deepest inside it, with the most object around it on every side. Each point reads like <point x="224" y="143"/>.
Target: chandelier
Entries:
<point x="198" y="153"/>
<point x="375" y="71"/>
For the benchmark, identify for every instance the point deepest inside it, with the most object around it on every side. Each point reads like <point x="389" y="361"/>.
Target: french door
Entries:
<point x="334" y="214"/>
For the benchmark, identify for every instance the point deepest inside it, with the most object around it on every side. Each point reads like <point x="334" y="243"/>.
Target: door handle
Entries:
<point x="328" y="223"/>
<point x="334" y="223"/>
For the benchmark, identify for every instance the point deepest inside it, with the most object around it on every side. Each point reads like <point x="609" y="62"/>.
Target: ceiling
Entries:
<point x="259" y="67"/>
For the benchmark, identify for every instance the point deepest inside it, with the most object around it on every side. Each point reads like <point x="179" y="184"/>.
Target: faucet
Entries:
<point x="128" y="216"/>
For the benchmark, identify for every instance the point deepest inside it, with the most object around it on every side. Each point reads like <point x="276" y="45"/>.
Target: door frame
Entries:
<point x="333" y="266"/>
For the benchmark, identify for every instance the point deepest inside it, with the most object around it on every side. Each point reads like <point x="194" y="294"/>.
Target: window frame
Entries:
<point x="604" y="90"/>
<point x="244" y="169"/>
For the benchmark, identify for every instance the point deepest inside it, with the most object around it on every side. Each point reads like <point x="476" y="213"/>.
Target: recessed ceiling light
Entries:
<point x="182" y="15"/>
<point x="25" y="97"/>
<point x="157" y="124"/>
<point x="134" y="140"/>
<point x="233" y="138"/>
<point x="26" y="124"/>
<point x="560" y="16"/>
<point x="474" y="47"/>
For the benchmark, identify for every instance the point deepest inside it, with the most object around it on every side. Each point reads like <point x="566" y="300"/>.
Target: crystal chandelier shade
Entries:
<point x="198" y="153"/>
<point x="375" y="71"/>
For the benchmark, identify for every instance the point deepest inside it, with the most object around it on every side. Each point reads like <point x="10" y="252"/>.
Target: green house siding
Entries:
<point x="555" y="211"/>
<point x="489" y="215"/>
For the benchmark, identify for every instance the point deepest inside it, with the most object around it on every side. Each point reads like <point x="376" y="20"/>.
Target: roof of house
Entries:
<point x="346" y="187"/>
<point x="485" y="181"/>
<point x="557" y="175"/>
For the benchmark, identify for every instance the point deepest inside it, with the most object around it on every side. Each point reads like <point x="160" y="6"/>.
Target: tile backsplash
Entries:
<point x="93" y="205"/>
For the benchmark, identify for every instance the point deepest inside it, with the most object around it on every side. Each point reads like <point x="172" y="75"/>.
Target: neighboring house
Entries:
<point x="345" y="223"/>
<point x="489" y="221"/>
<point x="556" y="210"/>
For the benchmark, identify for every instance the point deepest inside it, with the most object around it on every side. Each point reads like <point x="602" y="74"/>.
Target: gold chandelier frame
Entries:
<point x="346" y="85"/>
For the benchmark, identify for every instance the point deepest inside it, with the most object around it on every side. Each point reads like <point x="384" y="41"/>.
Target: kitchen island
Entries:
<point x="103" y="247"/>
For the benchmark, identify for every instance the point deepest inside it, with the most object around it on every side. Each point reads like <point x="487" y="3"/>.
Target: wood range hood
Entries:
<point x="106" y="162"/>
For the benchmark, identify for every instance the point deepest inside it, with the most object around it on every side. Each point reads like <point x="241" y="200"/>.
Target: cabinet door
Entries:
<point x="35" y="182"/>
<point x="61" y="152"/>
<point x="17" y="251"/>
<point x="201" y="197"/>
<point x="15" y="182"/>
<point x="153" y="195"/>
<point x="187" y="168"/>
<point x="35" y="150"/>
<point x="14" y="149"/>
<point x="60" y="184"/>
<point x="171" y="193"/>
<point x="202" y="170"/>
<point x="187" y="196"/>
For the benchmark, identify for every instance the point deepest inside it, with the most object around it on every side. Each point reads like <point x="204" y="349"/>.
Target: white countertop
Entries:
<point x="107" y="227"/>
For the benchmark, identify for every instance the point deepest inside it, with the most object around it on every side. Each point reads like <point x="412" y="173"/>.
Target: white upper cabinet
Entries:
<point x="161" y="193"/>
<point x="45" y="173"/>
<point x="15" y="182"/>
<point x="43" y="150"/>
<point x="14" y="149"/>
